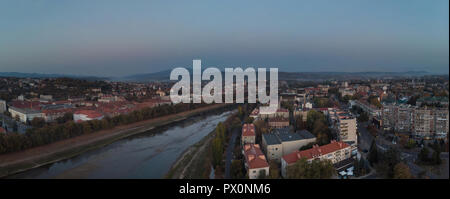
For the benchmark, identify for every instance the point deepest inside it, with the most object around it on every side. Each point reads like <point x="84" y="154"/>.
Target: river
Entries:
<point x="145" y="155"/>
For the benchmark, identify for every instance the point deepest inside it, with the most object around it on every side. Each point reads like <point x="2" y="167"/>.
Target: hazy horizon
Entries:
<point x="118" y="38"/>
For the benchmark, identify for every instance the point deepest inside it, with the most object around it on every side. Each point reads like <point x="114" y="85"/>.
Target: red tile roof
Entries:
<point x="278" y="119"/>
<point x="255" y="112"/>
<point x="248" y="130"/>
<point x="57" y="111"/>
<point x="254" y="156"/>
<point x="26" y="104"/>
<point x="89" y="113"/>
<point x="316" y="151"/>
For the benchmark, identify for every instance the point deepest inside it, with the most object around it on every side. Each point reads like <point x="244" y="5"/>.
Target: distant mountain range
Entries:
<point x="305" y="76"/>
<point x="42" y="75"/>
<point x="164" y="75"/>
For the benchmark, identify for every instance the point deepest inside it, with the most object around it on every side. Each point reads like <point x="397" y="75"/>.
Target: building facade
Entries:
<point x="335" y="152"/>
<point x="248" y="134"/>
<point x="280" y="142"/>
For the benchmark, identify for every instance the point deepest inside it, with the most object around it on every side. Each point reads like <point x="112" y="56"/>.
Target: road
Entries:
<point x="229" y="153"/>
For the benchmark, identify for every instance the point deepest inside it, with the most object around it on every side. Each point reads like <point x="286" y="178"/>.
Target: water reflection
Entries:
<point x="146" y="155"/>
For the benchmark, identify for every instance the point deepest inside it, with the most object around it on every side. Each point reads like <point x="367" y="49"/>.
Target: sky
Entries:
<point x="119" y="37"/>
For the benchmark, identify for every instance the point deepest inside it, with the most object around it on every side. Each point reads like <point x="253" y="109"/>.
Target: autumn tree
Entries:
<point x="237" y="169"/>
<point x="317" y="169"/>
<point x="274" y="172"/>
<point x="37" y="122"/>
<point x="401" y="171"/>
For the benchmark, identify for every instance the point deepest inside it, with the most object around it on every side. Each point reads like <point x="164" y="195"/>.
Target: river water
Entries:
<point x="146" y="155"/>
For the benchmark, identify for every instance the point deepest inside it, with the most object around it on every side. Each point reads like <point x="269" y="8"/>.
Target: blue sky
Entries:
<point x="115" y="38"/>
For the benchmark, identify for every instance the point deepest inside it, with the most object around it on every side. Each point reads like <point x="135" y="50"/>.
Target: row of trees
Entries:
<point x="317" y="169"/>
<point x="46" y="134"/>
<point x="221" y="138"/>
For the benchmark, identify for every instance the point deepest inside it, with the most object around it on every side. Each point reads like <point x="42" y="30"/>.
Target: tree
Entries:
<point x="217" y="151"/>
<point x="237" y="169"/>
<point x="401" y="171"/>
<point x="299" y="123"/>
<point x="248" y="120"/>
<point x="312" y="117"/>
<point x="374" y="101"/>
<point x="391" y="158"/>
<point x="274" y="172"/>
<point x="262" y="174"/>
<point x="436" y="157"/>
<point x="373" y="153"/>
<point x="322" y="132"/>
<point x="423" y="155"/>
<point x="38" y="122"/>
<point x="317" y="169"/>
<point x="363" y="117"/>
<point x="67" y="117"/>
<point x="15" y="127"/>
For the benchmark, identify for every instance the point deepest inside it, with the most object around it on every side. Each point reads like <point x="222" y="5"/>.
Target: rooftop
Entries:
<point x="277" y="136"/>
<point x="248" y="130"/>
<point x="316" y="151"/>
<point x="254" y="157"/>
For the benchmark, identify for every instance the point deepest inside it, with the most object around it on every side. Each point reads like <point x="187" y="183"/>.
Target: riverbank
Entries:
<point x="189" y="162"/>
<point x="195" y="162"/>
<point x="39" y="156"/>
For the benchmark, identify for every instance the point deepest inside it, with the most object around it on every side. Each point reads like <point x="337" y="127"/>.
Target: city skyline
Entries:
<point x="113" y="38"/>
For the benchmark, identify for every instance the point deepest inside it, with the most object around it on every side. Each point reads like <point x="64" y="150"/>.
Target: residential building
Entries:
<point x="278" y="122"/>
<point x="280" y="142"/>
<point x="248" y="134"/>
<point x="25" y="114"/>
<point x="398" y="117"/>
<point x="281" y="112"/>
<point x="336" y="152"/>
<point x="431" y="122"/>
<point x="346" y="128"/>
<point x="255" y="161"/>
<point x="2" y="106"/>
<point x="86" y="115"/>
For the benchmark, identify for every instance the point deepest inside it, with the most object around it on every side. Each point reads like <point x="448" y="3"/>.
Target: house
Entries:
<point x="86" y="115"/>
<point x="2" y="106"/>
<point x="280" y="142"/>
<point x="25" y="114"/>
<point x="281" y="112"/>
<point x="345" y="127"/>
<point x="255" y="161"/>
<point x="248" y="134"/>
<point x="336" y="152"/>
<point x="278" y="122"/>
